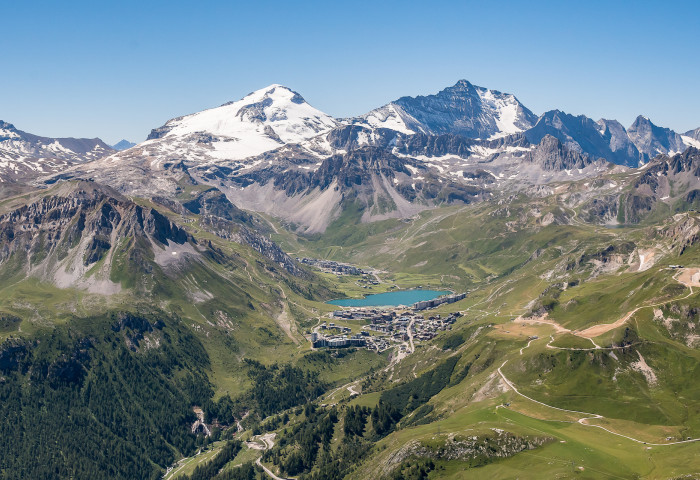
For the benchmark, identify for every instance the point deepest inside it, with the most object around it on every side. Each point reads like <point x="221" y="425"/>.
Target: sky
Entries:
<point x="117" y="69"/>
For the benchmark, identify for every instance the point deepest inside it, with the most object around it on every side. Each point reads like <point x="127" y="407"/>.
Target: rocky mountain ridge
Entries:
<point x="24" y="155"/>
<point x="84" y="235"/>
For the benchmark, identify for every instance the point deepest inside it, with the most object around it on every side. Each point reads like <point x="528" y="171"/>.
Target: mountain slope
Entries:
<point x="370" y="181"/>
<point x="692" y="135"/>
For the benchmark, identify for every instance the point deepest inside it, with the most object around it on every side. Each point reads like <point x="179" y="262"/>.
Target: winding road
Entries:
<point x="587" y="415"/>
<point x="267" y="444"/>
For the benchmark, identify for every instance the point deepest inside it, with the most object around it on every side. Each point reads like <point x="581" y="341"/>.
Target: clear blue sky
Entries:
<point x="117" y="69"/>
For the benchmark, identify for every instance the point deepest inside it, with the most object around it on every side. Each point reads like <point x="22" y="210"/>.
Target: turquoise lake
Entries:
<point x="390" y="299"/>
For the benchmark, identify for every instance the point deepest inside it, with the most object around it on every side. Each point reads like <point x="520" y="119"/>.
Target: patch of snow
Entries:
<point x="413" y="169"/>
<point x="390" y="116"/>
<point x="691" y="142"/>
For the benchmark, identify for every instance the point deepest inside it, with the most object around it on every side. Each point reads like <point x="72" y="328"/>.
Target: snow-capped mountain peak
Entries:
<point x="8" y="131"/>
<point x="463" y="109"/>
<point x="261" y="121"/>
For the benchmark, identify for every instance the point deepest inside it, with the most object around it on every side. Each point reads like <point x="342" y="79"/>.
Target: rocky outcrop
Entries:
<point x="551" y="154"/>
<point x="62" y="234"/>
<point x="693" y="134"/>
<point x="682" y="234"/>
<point x="238" y="233"/>
<point x="583" y="135"/>
<point x="475" y="450"/>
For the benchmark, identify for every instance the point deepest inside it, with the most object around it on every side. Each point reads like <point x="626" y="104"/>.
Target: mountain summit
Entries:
<point x="261" y="121"/>
<point x="652" y="140"/>
<point x="463" y="109"/>
<point x="123" y="145"/>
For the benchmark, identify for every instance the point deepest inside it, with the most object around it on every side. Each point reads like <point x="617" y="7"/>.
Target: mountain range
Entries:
<point x="272" y="152"/>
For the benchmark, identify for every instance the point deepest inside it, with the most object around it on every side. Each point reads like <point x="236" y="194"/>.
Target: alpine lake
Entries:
<point x="390" y="299"/>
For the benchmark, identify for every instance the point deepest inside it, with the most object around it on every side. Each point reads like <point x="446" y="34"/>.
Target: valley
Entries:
<point x="448" y="286"/>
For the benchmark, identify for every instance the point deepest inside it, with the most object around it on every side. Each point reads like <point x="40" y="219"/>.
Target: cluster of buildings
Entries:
<point x="428" y="328"/>
<point x="365" y="313"/>
<point x="388" y="326"/>
<point x="330" y="266"/>
<point x="418" y="306"/>
<point x="420" y="327"/>
<point x="338" y="341"/>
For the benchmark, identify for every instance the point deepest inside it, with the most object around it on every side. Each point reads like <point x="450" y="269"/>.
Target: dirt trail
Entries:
<point x="586" y="415"/>
<point x="542" y="319"/>
<point x="597" y="330"/>
<point x="686" y="278"/>
<point x="690" y="277"/>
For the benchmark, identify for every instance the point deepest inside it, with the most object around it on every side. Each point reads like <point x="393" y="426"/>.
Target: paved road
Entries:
<point x="269" y="472"/>
<point x="268" y="443"/>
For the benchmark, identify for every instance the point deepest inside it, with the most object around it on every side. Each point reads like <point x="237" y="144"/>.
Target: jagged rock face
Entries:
<point x="357" y="168"/>
<point x="351" y="137"/>
<point x="213" y="203"/>
<point x="25" y="156"/>
<point x="582" y="135"/>
<point x="222" y="218"/>
<point x="354" y="174"/>
<point x="435" y="145"/>
<point x="683" y="234"/>
<point x="674" y="181"/>
<point x="652" y="140"/>
<point x="602" y="209"/>
<point x="75" y="236"/>
<point x="62" y="237"/>
<point x="261" y="244"/>
<point x="683" y="169"/>
<point x="620" y="143"/>
<point x="312" y="193"/>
